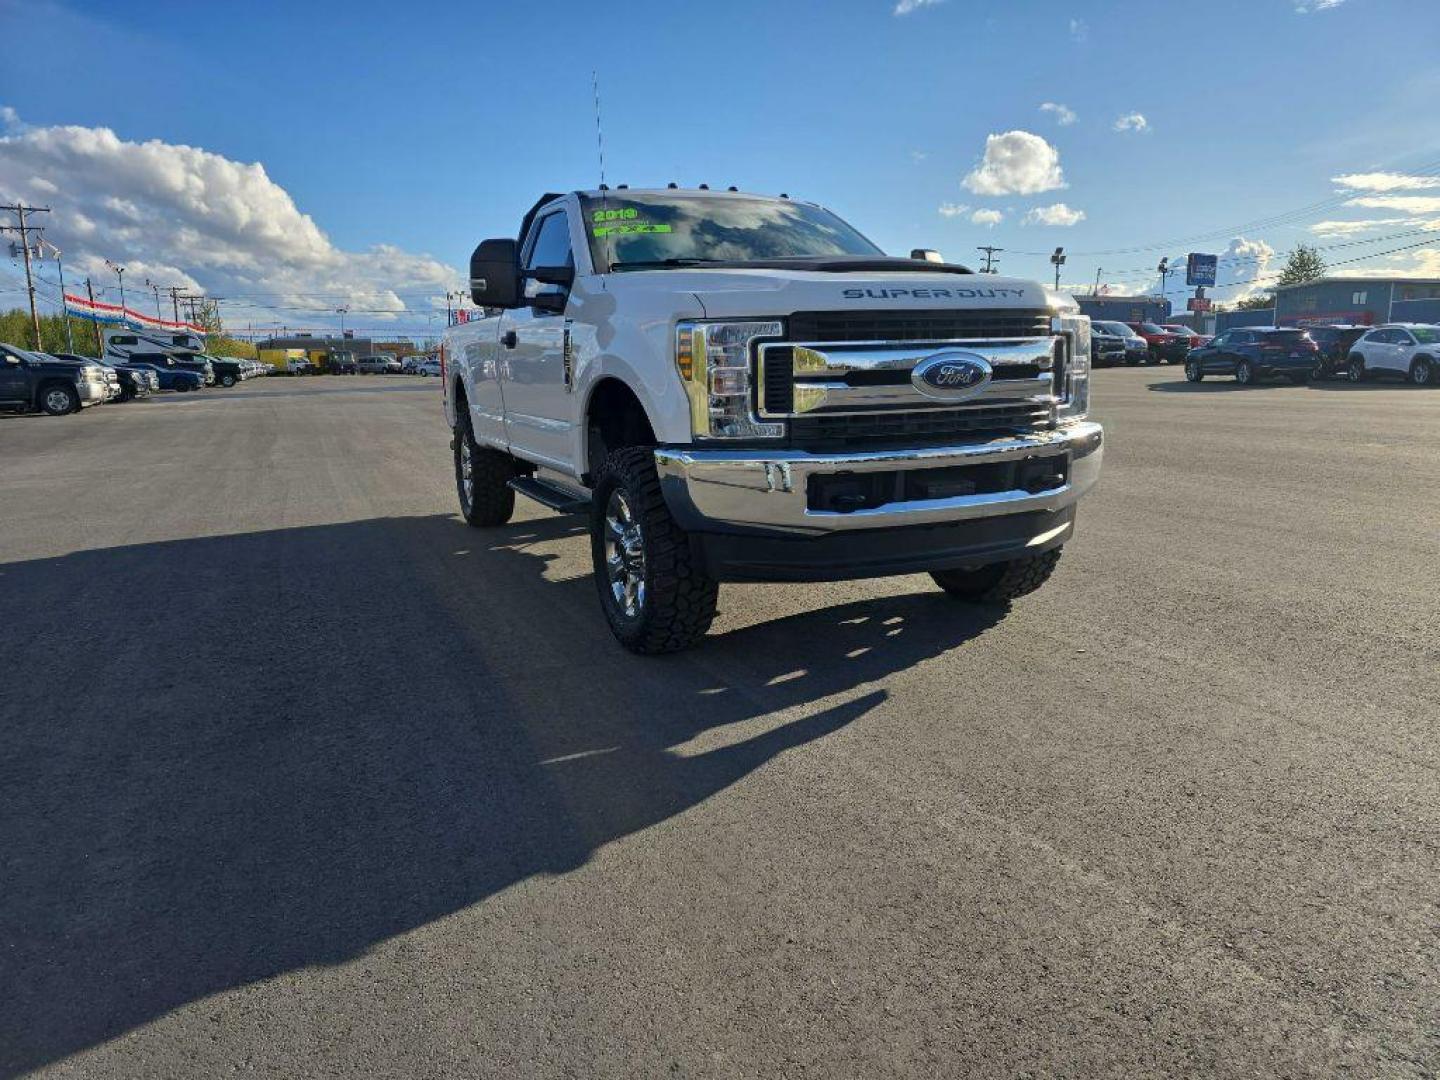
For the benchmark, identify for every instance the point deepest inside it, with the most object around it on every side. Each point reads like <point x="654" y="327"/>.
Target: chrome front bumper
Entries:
<point x="707" y="489"/>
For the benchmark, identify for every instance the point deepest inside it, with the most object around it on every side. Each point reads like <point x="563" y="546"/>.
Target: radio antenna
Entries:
<point x="599" y="135"/>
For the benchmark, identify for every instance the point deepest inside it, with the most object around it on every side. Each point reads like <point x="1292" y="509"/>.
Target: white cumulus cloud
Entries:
<point x="1054" y="214"/>
<point x="1079" y="30"/>
<point x="989" y="218"/>
<point x="1064" y="115"/>
<point x="1304" y="7"/>
<point x="1406" y="204"/>
<point x="1385" y="181"/>
<point x="950" y="209"/>
<point x="1016" y="163"/>
<point x="1134" y="121"/>
<point x="187" y="216"/>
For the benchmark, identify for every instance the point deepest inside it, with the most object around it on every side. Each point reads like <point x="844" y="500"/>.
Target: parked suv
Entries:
<point x="1334" y="343"/>
<point x="1107" y="344"/>
<point x="228" y="371"/>
<point x="1397" y="350"/>
<point x="31" y="380"/>
<point x="1163" y="344"/>
<point x="1252" y="353"/>
<point x="378" y="365"/>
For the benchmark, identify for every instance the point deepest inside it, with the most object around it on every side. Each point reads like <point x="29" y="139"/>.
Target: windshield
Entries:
<point x="1426" y="335"/>
<point x="659" y="229"/>
<point x="1151" y="328"/>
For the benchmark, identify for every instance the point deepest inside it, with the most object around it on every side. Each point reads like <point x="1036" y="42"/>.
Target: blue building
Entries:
<point x="1358" y="300"/>
<point x="1125" y="309"/>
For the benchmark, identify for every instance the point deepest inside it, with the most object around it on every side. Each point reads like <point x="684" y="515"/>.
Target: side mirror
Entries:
<point x="554" y="275"/>
<point x="495" y="274"/>
<point x="546" y="297"/>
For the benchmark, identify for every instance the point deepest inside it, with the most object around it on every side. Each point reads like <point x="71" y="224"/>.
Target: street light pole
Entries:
<point x="1059" y="260"/>
<point x="120" y="273"/>
<point x="64" y="306"/>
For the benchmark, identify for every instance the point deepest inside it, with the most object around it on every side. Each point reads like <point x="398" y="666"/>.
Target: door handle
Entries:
<point x="509" y="340"/>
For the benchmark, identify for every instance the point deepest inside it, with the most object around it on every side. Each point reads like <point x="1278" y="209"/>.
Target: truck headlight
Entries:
<point x="1076" y="331"/>
<point x="713" y="359"/>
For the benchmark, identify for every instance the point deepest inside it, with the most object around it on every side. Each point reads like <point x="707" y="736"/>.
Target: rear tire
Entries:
<point x="1422" y="371"/>
<point x="655" y="598"/>
<point x="1244" y="373"/>
<point x="1355" y="370"/>
<point x="999" y="583"/>
<point x="482" y="478"/>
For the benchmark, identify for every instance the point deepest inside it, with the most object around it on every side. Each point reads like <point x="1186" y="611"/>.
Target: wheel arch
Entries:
<point x="614" y="417"/>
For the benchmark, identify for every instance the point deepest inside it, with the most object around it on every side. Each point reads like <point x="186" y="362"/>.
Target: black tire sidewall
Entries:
<point x="72" y="396"/>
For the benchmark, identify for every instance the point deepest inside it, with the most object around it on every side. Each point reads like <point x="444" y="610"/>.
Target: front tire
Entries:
<point x="655" y="598"/>
<point x="59" y="400"/>
<point x="228" y="381"/>
<point x="999" y="583"/>
<point x="1422" y="372"/>
<point x="1244" y="373"/>
<point x="1193" y="372"/>
<point x="482" y="478"/>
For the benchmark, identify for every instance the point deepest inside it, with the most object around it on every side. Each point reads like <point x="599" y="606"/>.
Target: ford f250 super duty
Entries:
<point x="738" y="388"/>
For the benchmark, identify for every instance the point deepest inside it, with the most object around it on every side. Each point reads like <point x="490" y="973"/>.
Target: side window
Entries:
<point x="1403" y="337"/>
<point x="1379" y="337"/>
<point x="1243" y="337"/>
<point x="550" y="245"/>
<point x="1222" y="340"/>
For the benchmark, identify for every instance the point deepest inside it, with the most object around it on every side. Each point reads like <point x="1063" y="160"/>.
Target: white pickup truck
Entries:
<point x="740" y="387"/>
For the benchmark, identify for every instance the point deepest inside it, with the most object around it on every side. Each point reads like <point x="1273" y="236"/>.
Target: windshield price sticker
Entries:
<point x="629" y="228"/>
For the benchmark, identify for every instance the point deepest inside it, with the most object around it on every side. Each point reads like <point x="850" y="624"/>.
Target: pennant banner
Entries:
<point x="83" y="308"/>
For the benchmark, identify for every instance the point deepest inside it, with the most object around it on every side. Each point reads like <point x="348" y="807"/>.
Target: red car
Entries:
<point x="1196" y="339"/>
<point x="1164" y="344"/>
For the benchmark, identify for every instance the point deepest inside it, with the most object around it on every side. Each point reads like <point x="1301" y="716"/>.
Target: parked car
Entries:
<point x="1397" y="350"/>
<point x="428" y="367"/>
<point x="134" y="381"/>
<point x="198" y="363"/>
<point x="1334" y="343"/>
<point x="229" y="371"/>
<point x="343" y="363"/>
<point x="378" y="365"/>
<point x="171" y="373"/>
<point x="1252" y="353"/>
<point x="1193" y="336"/>
<point x="30" y="380"/>
<point x="1163" y="344"/>
<point x="300" y="367"/>
<point x="1106" y="335"/>
<point x="409" y="364"/>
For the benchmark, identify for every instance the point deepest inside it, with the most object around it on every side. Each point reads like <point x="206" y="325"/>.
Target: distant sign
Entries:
<point x="1198" y="303"/>
<point x="1200" y="269"/>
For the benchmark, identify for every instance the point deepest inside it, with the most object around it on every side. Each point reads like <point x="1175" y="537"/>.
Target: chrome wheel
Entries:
<point x="1244" y="373"/>
<point x="1420" y="373"/>
<point x="57" y="401"/>
<point x="467" y="470"/>
<point x="624" y="555"/>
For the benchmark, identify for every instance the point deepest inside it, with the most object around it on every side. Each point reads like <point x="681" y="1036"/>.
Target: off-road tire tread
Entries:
<point x="680" y="598"/>
<point x="492" y="500"/>
<point x="1020" y="577"/>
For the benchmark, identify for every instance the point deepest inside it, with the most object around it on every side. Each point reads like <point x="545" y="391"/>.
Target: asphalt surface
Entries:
<point x="301" y="776"/>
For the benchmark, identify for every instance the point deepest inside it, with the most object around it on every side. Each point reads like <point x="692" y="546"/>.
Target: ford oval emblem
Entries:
<point x="951" y="375"/>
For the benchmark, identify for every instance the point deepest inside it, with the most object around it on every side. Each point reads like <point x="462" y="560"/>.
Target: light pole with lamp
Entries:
<point x="120" y="273"/>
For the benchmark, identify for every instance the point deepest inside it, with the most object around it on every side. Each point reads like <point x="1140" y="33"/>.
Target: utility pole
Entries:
<point x="20" y="210"/>
<point x="1096" y="290"/>
<point x="990" y="253"/>
<point x="175" y="291"/>
<point x="94" y="319"/>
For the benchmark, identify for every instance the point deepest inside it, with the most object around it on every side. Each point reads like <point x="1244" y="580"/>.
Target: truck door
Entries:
<point x="537" y="397"/>
<point x="14" y="379"/>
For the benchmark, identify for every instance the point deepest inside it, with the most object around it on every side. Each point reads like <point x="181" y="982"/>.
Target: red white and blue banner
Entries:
<point x="82" y="308"/>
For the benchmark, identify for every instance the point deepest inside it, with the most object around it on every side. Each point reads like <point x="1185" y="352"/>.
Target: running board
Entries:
<point x="551" y="495"/>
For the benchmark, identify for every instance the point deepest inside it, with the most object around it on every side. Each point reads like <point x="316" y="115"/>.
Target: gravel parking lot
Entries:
<point x="301" y="776"/>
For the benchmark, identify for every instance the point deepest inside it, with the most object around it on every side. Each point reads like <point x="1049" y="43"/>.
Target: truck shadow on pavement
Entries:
<point x="234" y="757"/>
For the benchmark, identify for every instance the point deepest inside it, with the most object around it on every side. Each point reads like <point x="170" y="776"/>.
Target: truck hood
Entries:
<point x="733" y="293"/>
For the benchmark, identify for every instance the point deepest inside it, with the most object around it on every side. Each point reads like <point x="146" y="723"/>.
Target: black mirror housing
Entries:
<point x="554" y="275"/>
<point x="495" y="274"/>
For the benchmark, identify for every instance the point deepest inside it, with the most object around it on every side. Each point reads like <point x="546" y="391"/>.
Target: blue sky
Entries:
<point x="427" y="129"/>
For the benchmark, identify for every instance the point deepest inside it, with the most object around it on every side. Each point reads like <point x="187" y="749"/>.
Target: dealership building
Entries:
<point x="1364" y="301"/>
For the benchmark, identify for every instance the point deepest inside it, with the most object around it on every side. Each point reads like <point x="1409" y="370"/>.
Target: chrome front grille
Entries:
<point x="859" y="377"/>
